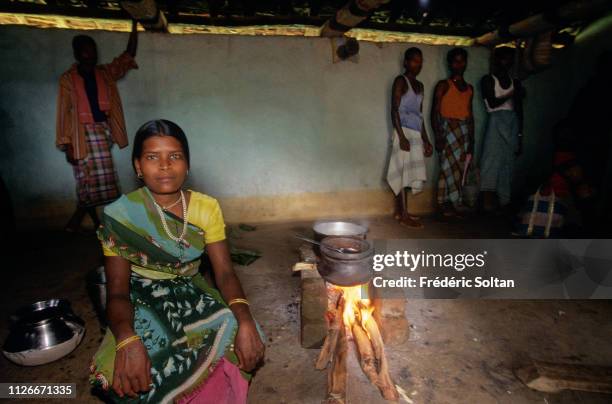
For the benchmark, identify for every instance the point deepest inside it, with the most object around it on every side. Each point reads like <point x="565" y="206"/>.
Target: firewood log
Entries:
<point x="384" y="383"/>
<point x="334" y="323"/>
<point x="336" y="378"/>
<point x="367" y="360"/>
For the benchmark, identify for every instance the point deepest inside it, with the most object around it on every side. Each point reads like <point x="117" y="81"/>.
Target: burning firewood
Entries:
<point x="334" y="323"/>
<point x="384" y="383"/>
<point x="336" y="378"/>
<point x="367" y="360"/>
<point x="349" y="313"/>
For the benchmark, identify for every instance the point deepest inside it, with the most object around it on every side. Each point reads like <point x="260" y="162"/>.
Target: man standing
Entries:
<point x="502" y="96"/>
<point x="89" y="120"/>
<point x="452" y="121"/>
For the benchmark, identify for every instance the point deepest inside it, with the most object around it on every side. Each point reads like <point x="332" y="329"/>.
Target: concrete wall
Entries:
<point x="277" y="131"/>
<point x="266" y="117"/>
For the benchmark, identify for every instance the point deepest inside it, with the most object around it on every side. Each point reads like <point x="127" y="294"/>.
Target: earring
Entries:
<point x="139" y="175"/>
<point x="187" y="172"/>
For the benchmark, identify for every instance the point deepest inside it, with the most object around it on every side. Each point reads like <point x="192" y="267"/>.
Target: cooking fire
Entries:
<point x="349" y="320"/>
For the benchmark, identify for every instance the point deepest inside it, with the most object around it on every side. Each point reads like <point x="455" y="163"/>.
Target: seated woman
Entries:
<point x="171" y="336"/>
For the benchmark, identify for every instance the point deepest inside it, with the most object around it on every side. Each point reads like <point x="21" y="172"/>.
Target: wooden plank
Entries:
<point x="553" y="377"/>
<point x="304" y="266"/>
<point x="313" y="305"/>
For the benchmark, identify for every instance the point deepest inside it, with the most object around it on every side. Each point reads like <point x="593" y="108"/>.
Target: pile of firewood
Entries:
<point x="363" y="330"/>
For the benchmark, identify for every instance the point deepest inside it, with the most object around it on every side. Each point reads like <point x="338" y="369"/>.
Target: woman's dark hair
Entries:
<point x="159" y="127"/>
<point x="410" y="52"/>
<point x="455" y="52"/>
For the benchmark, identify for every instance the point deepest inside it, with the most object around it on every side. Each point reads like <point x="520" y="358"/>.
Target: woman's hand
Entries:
<point x="70" y="155"/>
<point x="248" y="346"/>
<point x="440" y="144"/>
<point x="427" y="148"/>
<point x="132" y="373"/>
<point x="404" y="143"/>
<point x="519" y="148"/>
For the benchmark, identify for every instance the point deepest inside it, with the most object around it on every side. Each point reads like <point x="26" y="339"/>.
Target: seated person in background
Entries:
<point x="568" y="180"/>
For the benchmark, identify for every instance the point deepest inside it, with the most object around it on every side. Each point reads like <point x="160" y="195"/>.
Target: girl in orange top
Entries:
<point x="452" y="121"/>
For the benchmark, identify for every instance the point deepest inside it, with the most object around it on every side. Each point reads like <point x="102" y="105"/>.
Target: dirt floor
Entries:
<point x="459" y="351"/>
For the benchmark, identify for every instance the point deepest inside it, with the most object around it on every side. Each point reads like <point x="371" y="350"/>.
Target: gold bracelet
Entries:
<point x="238" y="300"/>
<point x="126" y="341"/>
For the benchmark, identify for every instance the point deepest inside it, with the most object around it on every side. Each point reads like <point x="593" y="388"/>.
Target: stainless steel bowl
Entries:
<point x="324" y="229"/>
<point x="43" y="332"/>
<point x="346" y="269"/>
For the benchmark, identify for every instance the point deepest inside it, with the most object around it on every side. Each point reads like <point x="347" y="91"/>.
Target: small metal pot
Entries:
<point x="324" y="229"/>
<point x="346" y="269"/>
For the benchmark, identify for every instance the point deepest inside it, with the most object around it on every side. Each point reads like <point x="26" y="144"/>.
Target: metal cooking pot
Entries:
<point x="324" y="229"/>
<point x="43" y="332"/>
<point x="96" y="287"/>
<point x="346" y="269"/>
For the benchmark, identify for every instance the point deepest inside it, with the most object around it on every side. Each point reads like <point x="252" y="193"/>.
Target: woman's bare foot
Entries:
<point x="398" y="216"/>
<point x="447" y="211"/>
<point x="408" y="221"/>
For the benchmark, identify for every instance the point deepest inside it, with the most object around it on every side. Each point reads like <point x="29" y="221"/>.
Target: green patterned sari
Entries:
<point x="184" y="323"/>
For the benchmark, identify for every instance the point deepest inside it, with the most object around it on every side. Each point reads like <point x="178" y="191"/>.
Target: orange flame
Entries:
<point x="356" y="308"/>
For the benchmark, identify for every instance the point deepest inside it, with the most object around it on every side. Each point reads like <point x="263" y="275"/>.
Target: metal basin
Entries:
<point x="346" y="269"/>
<point x="324" y="229"/>
<point x="43" y="332"/>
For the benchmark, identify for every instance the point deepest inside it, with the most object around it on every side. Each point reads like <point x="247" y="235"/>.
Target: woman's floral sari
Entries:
<point x="185" y="325"/>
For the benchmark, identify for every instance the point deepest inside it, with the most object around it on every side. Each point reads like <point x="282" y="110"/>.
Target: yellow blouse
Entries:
<point x="203" y="211"/>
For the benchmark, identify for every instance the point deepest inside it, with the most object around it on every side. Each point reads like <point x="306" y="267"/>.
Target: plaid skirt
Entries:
<point x="96" y="179"/>
<point x="452" y="160"/>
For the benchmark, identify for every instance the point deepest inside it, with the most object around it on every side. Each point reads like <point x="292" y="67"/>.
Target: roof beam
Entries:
<point x="349" y="16"/>
<point x="570" y="12"/>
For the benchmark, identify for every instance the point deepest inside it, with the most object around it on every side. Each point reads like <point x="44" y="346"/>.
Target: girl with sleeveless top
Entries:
<point x="502" y="137"/>
<point x="453" y="123"/>
<point x="410" y="142"/>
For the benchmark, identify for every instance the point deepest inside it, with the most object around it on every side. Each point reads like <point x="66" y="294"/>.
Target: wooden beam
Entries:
<point x="349" y="16"/>
<point x="576" y="10"/>
<point x="85" y="12"/>
<point x="553" y="377"/>
<point x="147" y="13"/>
<point x="204" y="20"/>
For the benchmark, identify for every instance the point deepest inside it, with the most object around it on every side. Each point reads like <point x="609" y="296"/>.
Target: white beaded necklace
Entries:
<point x="162" y="216"/>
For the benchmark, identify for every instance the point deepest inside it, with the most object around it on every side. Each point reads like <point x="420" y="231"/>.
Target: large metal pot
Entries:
<point x="43" y="332"/>
<point x="324" y="229"/>
<point x="346" y="268"/>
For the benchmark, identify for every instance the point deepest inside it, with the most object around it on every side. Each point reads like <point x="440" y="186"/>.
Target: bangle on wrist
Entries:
<point x="238" y="301"/>
<point x="126" y="341"/>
